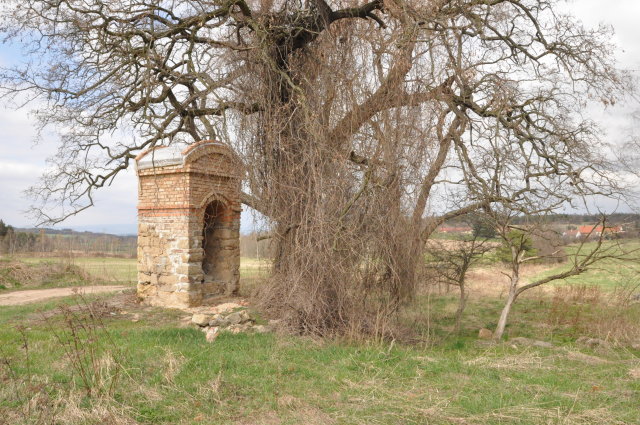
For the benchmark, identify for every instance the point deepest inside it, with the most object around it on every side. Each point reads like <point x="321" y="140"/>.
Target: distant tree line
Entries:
<point x="253" y="245"/>
<point x="631" y="220"/>
<point x="21" y="241"/>
<point x="53" y="241"/>
<point x="557" y="223"/>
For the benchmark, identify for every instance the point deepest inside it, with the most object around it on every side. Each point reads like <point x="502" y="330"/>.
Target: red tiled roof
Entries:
<point x="590" y="229"/>
<point x="599" y="229"/>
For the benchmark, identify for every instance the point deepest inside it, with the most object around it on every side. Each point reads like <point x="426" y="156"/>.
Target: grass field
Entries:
<point x="104" y="269"/>
<point x="609" y="274"/>
<point x="130" y="364"/>
<point x="124" y="270"/>
<point x="167" y="374"/>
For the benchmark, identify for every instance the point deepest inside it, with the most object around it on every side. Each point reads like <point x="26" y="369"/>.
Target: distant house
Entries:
<point x="615" y="229"/>
<point x="597" y="230"/>
<point x="572" y="234"/>
<point x="592" y="230"/>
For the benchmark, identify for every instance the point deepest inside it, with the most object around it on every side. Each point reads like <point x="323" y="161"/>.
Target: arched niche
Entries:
<point x="213" y="236"/>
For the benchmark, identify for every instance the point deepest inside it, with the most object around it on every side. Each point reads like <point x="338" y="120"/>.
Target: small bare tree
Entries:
<point x="517" y="240"/>
<point x="450" y="262"/>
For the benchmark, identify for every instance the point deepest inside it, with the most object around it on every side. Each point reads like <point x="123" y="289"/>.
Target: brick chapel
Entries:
<point x="188" y="223"/>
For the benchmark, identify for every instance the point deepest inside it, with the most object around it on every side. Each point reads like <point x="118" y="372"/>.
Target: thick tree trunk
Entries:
<point x="408" y="262"/>
<point x="323" y="210"/>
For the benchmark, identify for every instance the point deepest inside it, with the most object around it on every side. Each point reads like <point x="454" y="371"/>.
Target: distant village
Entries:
<point x="569" y="227"/>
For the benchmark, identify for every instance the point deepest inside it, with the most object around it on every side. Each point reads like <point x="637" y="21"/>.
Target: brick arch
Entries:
<point x="215" y="195"/>
<point x="206" y="148"/>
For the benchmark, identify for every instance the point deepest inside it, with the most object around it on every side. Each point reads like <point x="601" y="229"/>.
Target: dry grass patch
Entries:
<point x="589" y="310"/>
<point x="173" y="363"/>
<point x="526" y="360"/>
<point x="492" y="282"/>
<point x="20" y="275"/>
<point x="586" y="358"/>
<point x="538" y="415"/>
<point x="104" y="411"/>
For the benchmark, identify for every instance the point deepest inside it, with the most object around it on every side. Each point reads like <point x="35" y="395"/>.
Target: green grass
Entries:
<point x="124" y="270"/>
<point x="105" y="269"/>
<point x="172" y="376"/>
<point x="253" y="267"/>
<point x="169" y="374"/>
<point x="608" y="274"/>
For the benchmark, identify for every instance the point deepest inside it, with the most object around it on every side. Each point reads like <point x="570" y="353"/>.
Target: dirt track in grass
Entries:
<point x="37" y="295"/>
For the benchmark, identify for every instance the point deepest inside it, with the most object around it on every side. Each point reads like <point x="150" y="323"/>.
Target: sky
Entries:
<point x="22" y="162"/>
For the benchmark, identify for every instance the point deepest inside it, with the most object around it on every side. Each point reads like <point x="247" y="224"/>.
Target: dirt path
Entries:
<point x="36" y="295"/>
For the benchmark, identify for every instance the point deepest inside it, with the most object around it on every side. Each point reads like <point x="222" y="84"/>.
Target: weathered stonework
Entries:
<point x="188" y="224"/>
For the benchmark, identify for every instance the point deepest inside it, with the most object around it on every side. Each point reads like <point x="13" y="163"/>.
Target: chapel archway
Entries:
<point x="213" y="264"/>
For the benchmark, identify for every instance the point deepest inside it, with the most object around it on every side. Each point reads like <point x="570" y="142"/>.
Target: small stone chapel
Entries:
<point x="188" y="223"/>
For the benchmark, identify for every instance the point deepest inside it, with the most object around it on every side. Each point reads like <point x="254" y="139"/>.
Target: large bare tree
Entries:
<point x="363" y="125"/>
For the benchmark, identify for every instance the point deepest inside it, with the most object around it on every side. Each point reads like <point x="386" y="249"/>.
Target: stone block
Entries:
<point x="201" y="319"/>
<point x="193" y="257"/>
<point x="183" y="243"/>
<point x="189" y="269"/>
<point x="167" y="279"/>
<point x="147" y="291"/>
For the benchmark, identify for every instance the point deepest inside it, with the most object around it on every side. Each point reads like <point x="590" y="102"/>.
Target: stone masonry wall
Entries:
<point x="164" y="277"/>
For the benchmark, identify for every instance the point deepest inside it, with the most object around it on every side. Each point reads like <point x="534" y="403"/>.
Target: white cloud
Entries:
<point x="22" y="163"/>
<point x="12" y="169"/>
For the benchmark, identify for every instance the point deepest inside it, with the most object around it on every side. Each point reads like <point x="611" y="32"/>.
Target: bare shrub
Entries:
<point x="15" y="274"/>
<point x="627" y="290"/>
<point x="30" y="394"/>
<point x="587" y="310"/>
<point x="548" y="246"/>
<point x="91" y="357"/>
<point x="452" y="261"/>
<point x="577" y="294"/>
<point x="88" y="349"/>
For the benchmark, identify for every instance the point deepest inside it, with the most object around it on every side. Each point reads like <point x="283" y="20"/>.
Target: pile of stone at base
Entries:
<point x="235" y="322"/>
